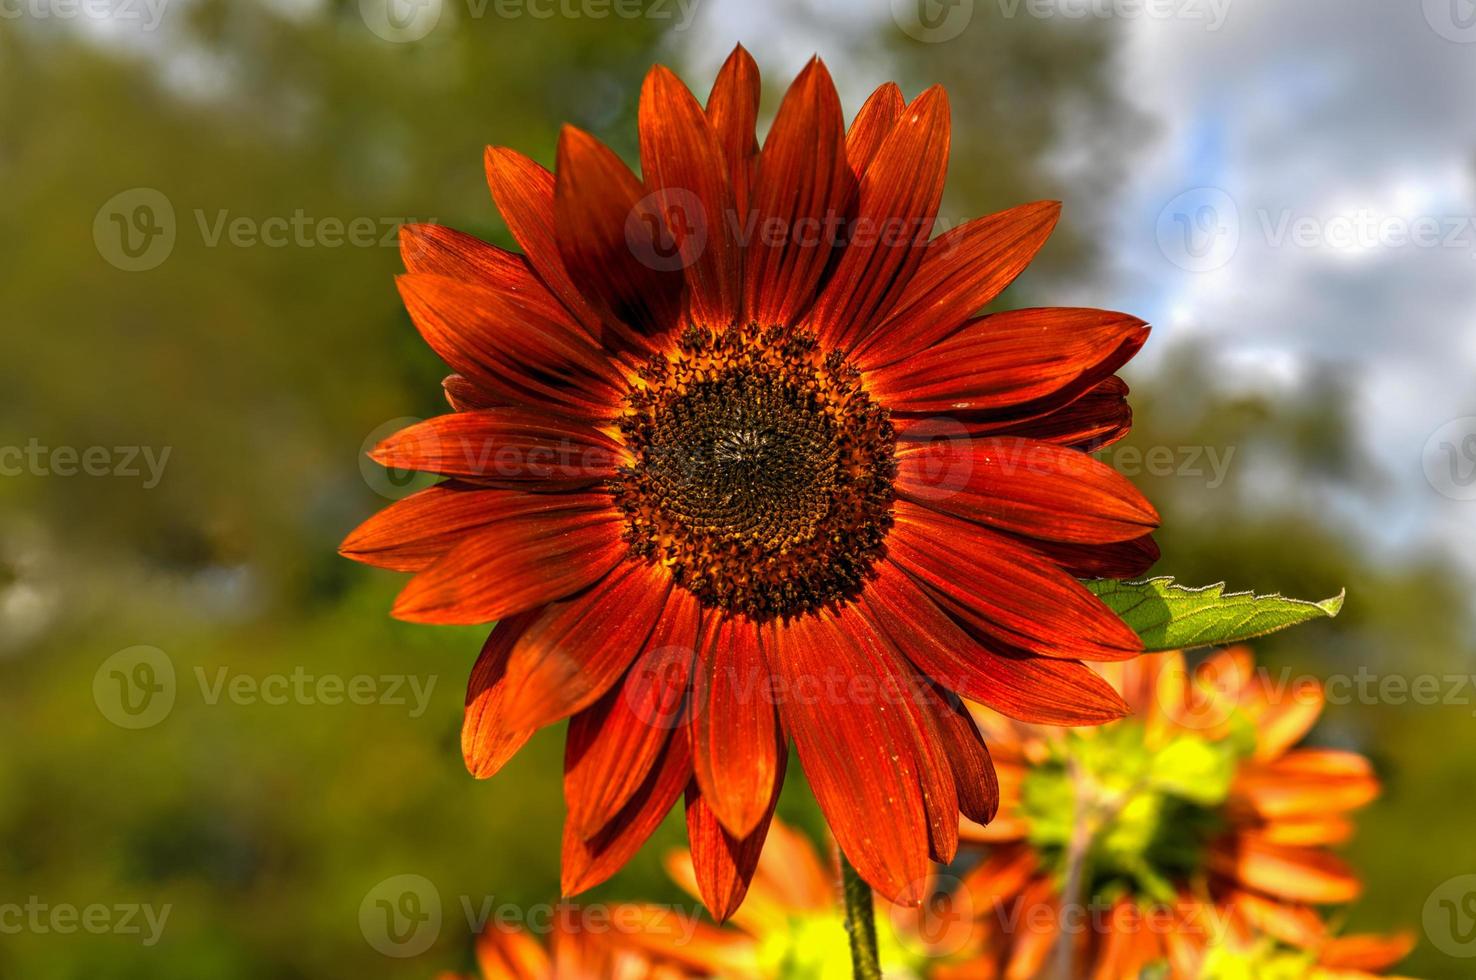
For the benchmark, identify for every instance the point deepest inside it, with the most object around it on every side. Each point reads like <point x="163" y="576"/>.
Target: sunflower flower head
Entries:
<point x="733" y="462"/>
<point x="1192" y="837"/>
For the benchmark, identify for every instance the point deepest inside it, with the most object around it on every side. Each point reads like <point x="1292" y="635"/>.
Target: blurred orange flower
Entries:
<point x="1191" y="833"/>
<point x="694" y="472"/>
<point x="512" y="954"/>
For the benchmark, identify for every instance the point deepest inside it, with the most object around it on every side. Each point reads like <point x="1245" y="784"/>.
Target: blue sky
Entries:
<point x="1334" y="144"/>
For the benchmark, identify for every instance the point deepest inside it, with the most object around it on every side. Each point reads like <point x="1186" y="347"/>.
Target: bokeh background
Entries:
<point x="199" y="199"/>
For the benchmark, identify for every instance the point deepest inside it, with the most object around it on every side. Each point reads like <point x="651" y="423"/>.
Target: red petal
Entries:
<point x="463" y="396"/>
<point x="735" y="735"/>
<point x="1006" y="590"/>
<point x="524" y="192"/>
<point x="872" y="124"/>
<point x="1034" y="689"/>
<point x="722" y="863"/>
<point x="683" y="165"/>
<point x="520" y="563"/>
<point x="504" y="445"/>
<point x="611" y="237"/>
<point x="1298" y="874"/>
<point x="1094" y="421"/>
<point x="935" y="769"/>
<point x="962" y="271"/>
<point x="1373" y="953"/>
<point x="1031" y="488"/>
<point x="898" y="202"/>
<point x="440" y="251"/>
<point x="589" y="862"/>
<point x="973" y="770"/>
<point x="732" y="109"/>
<point x="1124" y="559"/>
<point x="1006" y="359"/>
<point x="578" y="648"/>
<point x="1001" y="875"/>
<point x="516" y="353"/>
<point x="802" y="190"/>
<point x="612" y="745"/>
<point x="410" y="534"/>
<point x="857" y="748"/>
<point x="508" y="953"/>
<point x="486" y="742"/>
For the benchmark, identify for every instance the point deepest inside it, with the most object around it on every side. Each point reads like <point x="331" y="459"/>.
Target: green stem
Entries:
<point x="860" y="922"/>
<point x="1083" y="830"/>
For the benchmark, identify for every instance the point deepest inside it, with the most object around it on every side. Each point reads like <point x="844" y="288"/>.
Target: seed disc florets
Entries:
<point x="762" y="471"/>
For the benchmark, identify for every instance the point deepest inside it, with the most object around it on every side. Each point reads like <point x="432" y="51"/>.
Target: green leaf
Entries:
<point x="1169" y="616"/>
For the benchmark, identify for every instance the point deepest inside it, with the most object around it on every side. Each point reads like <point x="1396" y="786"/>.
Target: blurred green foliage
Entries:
<point x="265" y="369"/>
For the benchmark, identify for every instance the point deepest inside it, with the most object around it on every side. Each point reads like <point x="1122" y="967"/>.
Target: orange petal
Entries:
<point x="1002" y="875"/>
<point x="512" y="351"/>
<point x="588" y="862"/>
<point x="514" y="565"/>
<point x="802" y="191"/>
<point x="732" y="109"/>
<point x="1093" y="415"/>
<point x="968" y="757"/>
<point x="724" y="864"/>
<point x="410" y="534"/>
<point x="962" y="271"/>
<point x="858" y="753"/>
<point x="579" y="647"/>
<point x="611" y="238"/>
<point x="1297" y="874"/>
<point x="1038" y="357"/>
<point x="1372" y="953"/>
<point x="935" y="768"/>
<point x="486" y="740"/>
<point x="1308" y="831"/>
<point x="1296" y="925"/>
<point x="1036" y="689"/>
<point x="873" y="122"/>
<point x="511" y="954"/>
<point x="683" y="165"/>
<point x="516" y="446"/>
<point x="1035" y="932"/>
<point x="1025" y="487"/>
<point x="1004" y="590"/>
<point x="736" y="742"/>
<point x="898" y="202"/>
<point x="1286" y="718"/>
<point x="524" y="193"/>
<point x="613" y="744"/>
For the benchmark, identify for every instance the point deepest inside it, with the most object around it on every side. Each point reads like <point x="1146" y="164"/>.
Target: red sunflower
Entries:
<point x="733" y="462"/>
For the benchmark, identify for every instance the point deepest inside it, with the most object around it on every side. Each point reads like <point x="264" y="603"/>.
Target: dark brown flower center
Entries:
<point x="762" y="472"/>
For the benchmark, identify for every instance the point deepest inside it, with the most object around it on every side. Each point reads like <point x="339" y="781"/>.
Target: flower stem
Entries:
<point x="1082" y="832"/>
<point x="860" y="922"/>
